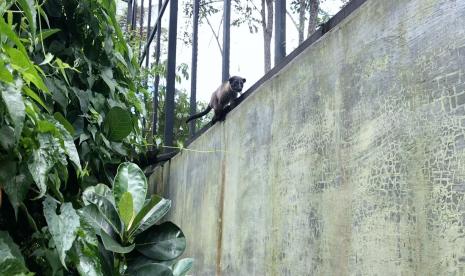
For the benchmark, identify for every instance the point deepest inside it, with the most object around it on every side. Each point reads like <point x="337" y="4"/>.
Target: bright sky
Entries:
<point x="246" y="58"/>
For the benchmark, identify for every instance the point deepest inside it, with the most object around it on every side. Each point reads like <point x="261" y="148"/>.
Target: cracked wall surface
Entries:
<point x="350" y="161"/>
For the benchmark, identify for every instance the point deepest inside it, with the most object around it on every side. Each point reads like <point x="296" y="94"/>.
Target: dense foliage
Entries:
<point x="71" y="110"/>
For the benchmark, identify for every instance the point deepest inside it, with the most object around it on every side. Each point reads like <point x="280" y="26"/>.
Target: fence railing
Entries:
<point x="280" y="38"/>
<point x="280" y="57"/>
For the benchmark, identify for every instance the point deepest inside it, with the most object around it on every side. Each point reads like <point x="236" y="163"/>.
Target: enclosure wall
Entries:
<point x="350" y="161"/>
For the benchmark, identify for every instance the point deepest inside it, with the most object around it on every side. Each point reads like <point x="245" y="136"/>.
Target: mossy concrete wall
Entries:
<point x="350" y="161"/>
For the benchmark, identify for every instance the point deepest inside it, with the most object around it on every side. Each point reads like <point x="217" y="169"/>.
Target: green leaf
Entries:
<point x="114" y="246"/>
<point x="92" y="216"/>
<point x="152" y="269"/>
<point x="62" y="227"/>
<point x="66" y="124"/>
<point x="12" y="267"/>
<point x="183" y="266"/>
<point x="99" y="189"/>
<point x="47" y="33"/>
<point x="88" y="261"/>
<point x="27" y="6"/>
<point x="107" y="209"/>
<point x="126" y="209"/>
<point x="86" y="255"/>
<point x="20" y="61"/>
<point x="17" y="190"/>
<point x="70" y="147"/>
<point x="162" y="242"/>
<point x="47" y="59"/>
<point x="107" y="76"/>
<point x="118" y="124"/>
<point x="8" y="249"/>
<point x="33" y="95"/>
<point x="151" y="213"/>
<point x="130" y="178"/>
<point x="6" y="30"/>
<point x="7" y="137"/>
<point x="14" y="103"/>
<point x="43" y="159"/>
<point x="5" y="75"/>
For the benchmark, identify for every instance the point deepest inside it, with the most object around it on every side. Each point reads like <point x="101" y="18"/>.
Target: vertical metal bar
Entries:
<point x="171" y="75"/>
<point x="149" y="30"/>
<point x="141" y="24"/>
<point x="134" y="15"/>
<point x="129" y="16"/>
<point x="226" y="38"/>
<point x="152" y="35"/>
<point x="195" y="37"/>
<point x="280" y="32"/>
<point x="157" y="77"/>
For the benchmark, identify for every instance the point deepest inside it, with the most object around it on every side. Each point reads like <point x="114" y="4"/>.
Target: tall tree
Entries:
<point x="267" y="27"/>
<point x="308" y="11"/>
<point x="314" y="8"/>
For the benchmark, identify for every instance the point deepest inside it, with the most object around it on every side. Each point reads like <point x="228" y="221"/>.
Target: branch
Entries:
<point x="215" y="35"/>
<point x="292" y="19"/>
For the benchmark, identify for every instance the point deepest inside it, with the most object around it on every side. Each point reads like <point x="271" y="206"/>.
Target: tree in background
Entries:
<point x="138" y="37"/>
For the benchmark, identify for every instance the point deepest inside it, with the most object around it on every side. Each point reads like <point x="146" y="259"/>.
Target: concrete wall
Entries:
<point x="350" y="161"/>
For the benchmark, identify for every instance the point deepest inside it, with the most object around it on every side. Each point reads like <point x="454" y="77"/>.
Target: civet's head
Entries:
<point x="237" y="83"/>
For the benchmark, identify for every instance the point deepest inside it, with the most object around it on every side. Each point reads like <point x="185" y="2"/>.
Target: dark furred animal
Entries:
<point x="224" y="95"/>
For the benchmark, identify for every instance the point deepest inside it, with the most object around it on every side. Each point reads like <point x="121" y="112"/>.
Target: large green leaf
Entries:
<point x="130" y="178"/>
<point x="12" y="267"/>
<point x="86" y="252"/>
<point x="8" y="249"/>
<point x="126" y="209"/>
<point x="7" y="137"/>
<point x="107" y="209"/>
<point x="44" y="158"/>
<point x="92" y="216"/>
<point x="100" y="189"/>
<point x="152" y="269"/>
<point x="118" y="124"/>
<point x="114" y="246"/>
<point x="62" y="227"/>
<point x="11" y="261"/>
<point x="107" y="76"/>
<point x="151" y="213"/>
<point x="11" y="96"/>
<point x="88" y="262"/>
<point x="69" y="145"/>
<point x="162" y="242"/>
<point x="40" y="164"/>
<point x="182" y="267"/>
<point x="17" y="189"/>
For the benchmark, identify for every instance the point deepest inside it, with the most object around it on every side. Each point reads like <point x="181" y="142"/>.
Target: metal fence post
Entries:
<point x="134" y="15"/>
<point x="195" y="37"/>
<point x="129" y="15"/>
<point x="157" y="77"/>
<point x="171" y="75"/>
<point x="149" y="30"/>
<point x="280" y="31"/>
<point x="141" y="23"/>
<point x="226" y="38"/>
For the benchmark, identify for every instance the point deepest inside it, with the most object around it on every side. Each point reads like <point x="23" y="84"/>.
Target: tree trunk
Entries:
<point x="303" y="8"/>
<point x="313" y="18"/>
<point x="267" y="25"/>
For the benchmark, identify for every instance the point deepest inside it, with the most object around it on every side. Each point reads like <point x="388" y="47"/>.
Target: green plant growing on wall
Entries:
<point x="126" y="221"/>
